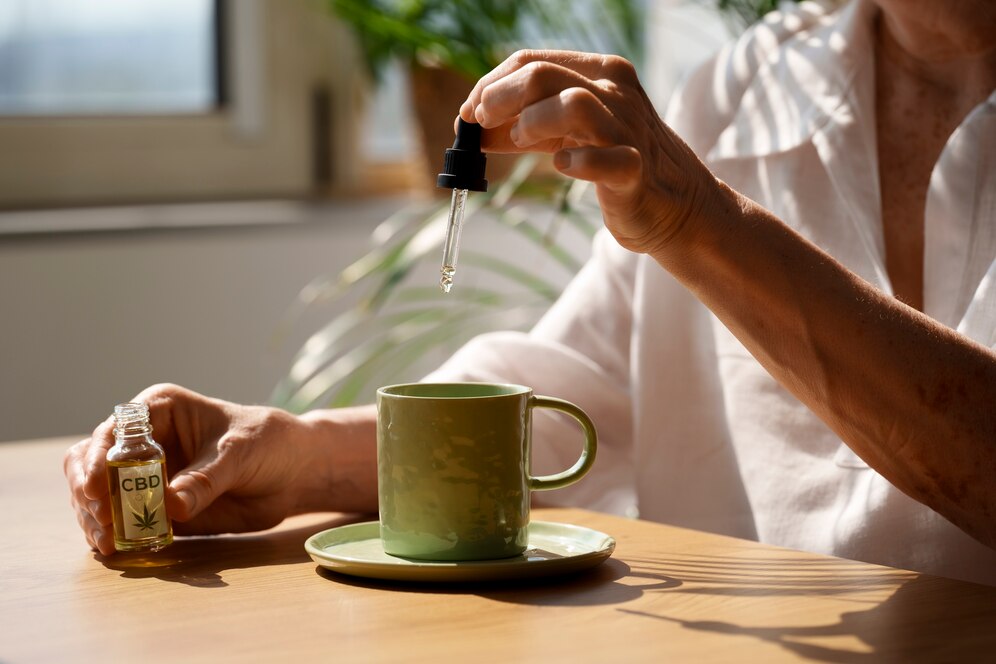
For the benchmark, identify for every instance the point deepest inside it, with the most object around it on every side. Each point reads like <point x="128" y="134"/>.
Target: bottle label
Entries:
<point x="142" y="501"/>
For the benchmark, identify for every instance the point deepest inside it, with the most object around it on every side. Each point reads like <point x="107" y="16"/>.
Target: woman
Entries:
<point x="788" y="339"/>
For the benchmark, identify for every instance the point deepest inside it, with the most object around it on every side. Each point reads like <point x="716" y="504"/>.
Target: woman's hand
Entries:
<point x="231" y="468"/>
<point x="591" y="112"/>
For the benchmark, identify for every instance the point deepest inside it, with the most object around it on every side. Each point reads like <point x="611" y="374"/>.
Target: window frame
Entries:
<point x="280" y="66"/>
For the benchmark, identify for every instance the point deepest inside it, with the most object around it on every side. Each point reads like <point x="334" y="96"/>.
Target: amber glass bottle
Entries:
<point x="136" y="474"/>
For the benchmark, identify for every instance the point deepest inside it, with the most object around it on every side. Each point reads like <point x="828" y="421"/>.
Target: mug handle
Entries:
<point x="583" y="465"/>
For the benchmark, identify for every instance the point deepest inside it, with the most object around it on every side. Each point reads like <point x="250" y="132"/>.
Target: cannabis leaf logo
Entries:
<point x="145" y="521"/>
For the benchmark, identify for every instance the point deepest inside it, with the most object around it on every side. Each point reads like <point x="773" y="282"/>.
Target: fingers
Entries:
<point x="169" y="413"/>
<point x="98" y="535"/>
<point x="575" y="116"/>
<point x="504" y="99"/>
<point x="93" y="465"/>
<point x="93" y="512"/>
<point x="498" y="140"/>
<point x="545" y="101"/>
<point x="203" y="481"/>
<point x="159" y="399"/>
<point x="588" y="65"/>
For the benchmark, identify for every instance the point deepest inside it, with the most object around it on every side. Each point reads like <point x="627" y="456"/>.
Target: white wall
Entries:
<point x="89" y="319"/>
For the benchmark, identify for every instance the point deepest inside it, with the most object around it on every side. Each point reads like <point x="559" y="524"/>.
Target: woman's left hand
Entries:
<point x="591" y="112"/>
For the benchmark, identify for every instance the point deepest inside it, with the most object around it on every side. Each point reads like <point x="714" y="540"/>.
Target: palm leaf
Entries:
<point x="351" y="371"/>
<point x="414" y="305"/>
<point x="393" y="324"/>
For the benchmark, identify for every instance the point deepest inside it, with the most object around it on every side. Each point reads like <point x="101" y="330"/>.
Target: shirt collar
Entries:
<point x="800" y="86"/>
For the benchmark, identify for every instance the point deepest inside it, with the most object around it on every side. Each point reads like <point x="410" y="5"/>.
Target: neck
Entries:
<point x="950" y="46"/>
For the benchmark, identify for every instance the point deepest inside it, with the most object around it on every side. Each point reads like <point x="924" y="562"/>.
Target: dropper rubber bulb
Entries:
<point x="463" y="170"/>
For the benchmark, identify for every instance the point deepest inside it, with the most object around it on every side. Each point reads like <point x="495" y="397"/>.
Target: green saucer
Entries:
<point x="554" y="548"/>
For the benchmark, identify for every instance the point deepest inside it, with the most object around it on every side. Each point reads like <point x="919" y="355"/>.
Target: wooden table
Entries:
<point x="667" y="594"/>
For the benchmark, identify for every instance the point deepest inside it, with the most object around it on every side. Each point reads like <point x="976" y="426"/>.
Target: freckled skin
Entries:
<point x="923" y="92"/>
<point x="914" y="120"/>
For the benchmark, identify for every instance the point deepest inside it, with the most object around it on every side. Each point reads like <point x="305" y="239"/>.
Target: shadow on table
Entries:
<point x="602" y="585"/>
<point x="200" y="561"/>
<point x="924" y="619"/>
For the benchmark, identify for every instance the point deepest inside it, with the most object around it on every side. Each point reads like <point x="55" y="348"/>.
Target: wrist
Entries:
<point x="709" y="225"/>
<point x="339" y="460"/>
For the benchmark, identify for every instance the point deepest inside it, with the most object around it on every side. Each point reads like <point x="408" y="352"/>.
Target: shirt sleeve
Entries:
<point x="579" y="351"/>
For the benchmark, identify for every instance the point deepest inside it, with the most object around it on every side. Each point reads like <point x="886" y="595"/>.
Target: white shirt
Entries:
<point x="692" y="430"/>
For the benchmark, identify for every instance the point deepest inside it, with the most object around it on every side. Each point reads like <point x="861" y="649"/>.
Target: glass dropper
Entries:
<point x="451" y="245"/>
<point x="463" y="171"/>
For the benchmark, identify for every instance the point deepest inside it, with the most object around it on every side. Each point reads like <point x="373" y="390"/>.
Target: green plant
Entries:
<point x="472" y="36"/>
<point x="739" y="14"/>
<point x="396" y="316"/>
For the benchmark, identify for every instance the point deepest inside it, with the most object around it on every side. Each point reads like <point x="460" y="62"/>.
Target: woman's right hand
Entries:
<point x="591" y="112"/>
<point x="231" y="468"/>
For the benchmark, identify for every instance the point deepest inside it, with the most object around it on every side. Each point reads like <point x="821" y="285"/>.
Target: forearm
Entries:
<point x="913" y="398"/>
<point x="340" y="469"/>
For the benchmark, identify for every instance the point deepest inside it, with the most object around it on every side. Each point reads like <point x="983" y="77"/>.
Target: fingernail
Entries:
<point x="562" y="160"/>
<point x="513" y="133"/>
<point x="93" y="506"/>
<point x="479" y="115"/>
<point x="98" y="534"/>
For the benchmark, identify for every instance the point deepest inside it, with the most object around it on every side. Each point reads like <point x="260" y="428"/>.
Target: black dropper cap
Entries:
<point x="464" y="163"/>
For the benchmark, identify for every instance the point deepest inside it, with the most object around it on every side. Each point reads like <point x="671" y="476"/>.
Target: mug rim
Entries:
<point x="514" y="390"/>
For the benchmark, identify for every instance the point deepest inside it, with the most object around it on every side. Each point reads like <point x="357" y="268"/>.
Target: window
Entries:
<point x="65" y="57"/>
<point x="118" y="101"/>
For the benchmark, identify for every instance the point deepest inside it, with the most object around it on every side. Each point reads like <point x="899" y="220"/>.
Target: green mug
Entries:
<point x="453" y="468"/>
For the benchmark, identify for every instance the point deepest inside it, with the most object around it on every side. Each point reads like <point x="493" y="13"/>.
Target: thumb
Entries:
<point x="194" y="488"/>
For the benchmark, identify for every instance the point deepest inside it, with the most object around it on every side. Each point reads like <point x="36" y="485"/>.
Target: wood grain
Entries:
<point x="666" y="594"/>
